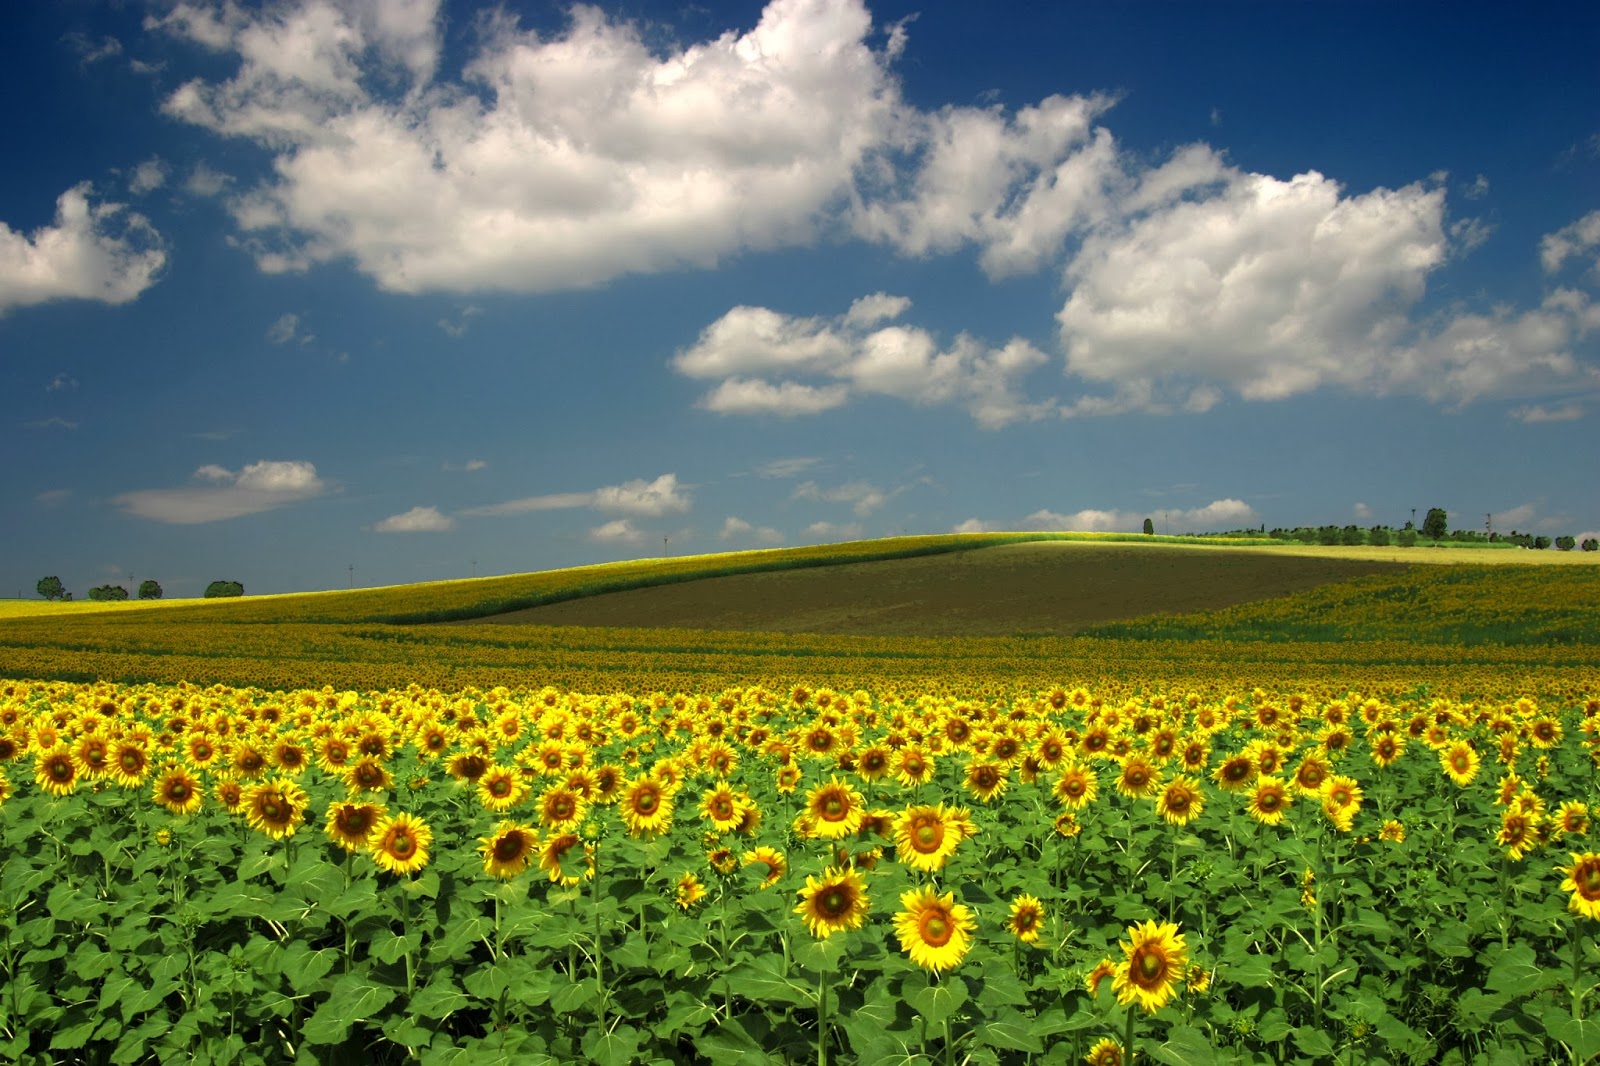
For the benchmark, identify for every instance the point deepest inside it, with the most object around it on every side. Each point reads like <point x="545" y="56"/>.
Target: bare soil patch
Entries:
<point x="1044" y="588"/>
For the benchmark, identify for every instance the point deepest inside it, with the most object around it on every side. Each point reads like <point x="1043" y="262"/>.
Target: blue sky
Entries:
<point x="430" y="289"/>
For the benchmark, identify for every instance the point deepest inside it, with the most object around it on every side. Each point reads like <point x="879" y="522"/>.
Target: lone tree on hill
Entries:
<point x="51" y="588"/>
<point x="224" y="588"/>
<point x="1149" y="527"/>
<point x="1437" y="525"/>
<point x="149" y="590"/>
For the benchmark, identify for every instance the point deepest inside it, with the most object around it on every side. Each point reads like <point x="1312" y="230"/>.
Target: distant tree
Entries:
<point x="1407" y="537"/>
<point x="1565" y="544"/>
<point x="1149" y="527"/>
<point x="1590" y="544"/>
<point x="51" y="588"/>
<point x="1541" y="543"/>
<point x="1436" y="525"/>
<point x="1378" y="536"/>
<point x="1351" y="535"/>
<point x="108" y="592"/>
<point x="224" y="588"/>
<point x="1327" y="535"/>
<point x="149" y="590"/>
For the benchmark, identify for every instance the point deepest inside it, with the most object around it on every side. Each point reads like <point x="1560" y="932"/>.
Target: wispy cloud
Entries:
<point x="62" y="382"/>
<point x="53" y="497"/>
<point x="1532" y="414"/>
<point x="53" y="422"/>
<point x="618" y="531"/>
<point x="639" y="498"/>
<point x="286" y="329"/>
<point x="734" y="528"/>
<point x="1215" y="517"/>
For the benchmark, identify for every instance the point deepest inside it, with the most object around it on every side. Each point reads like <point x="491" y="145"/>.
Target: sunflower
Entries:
<point x="1181" y="801"/>
<point x="467" y="766"/>
<point x="201" y="750"/>
<point x="834" y="809"/>
<point x="275" y="808"/>
<point x="1139" y="778"/>
<point x="1156" y="961"/>
<point x="350" y="824"/>
<point x="1583" y="881"/>
<point x="787" y="778"/>
<point x="177" y="789"/>
<point x="646" y="806"/>
<point x="689" y="890"/>
<point x="1067" y="825"/>
<point x="1341" y="800"/>
<point x="1077" y="786"/>
<point x="1392" y="831"/>
<point x="1544" y="732"/>
<point x="834" y="902"/>
<point x="1312" y="774"/>
<point x="1572" y="817"/>
<point x="500" y="788"/>
<point x="229" y="791"/>
<point x="934" y="930"/>
<point x="92" y="752"/>
<point x="1026" y="918"/>
<point x="1386" y="749"/>
<point x="509" y="851"/>
<point x="721" y="807"/>
<point x="1460" y="760"/>
<point x="1235" y="773"/>
<point x="400" y="842"/>
<point x="1519" y="833"/>
<point x="560" y="808"/>
<point x="1102" y="969"/>
<point x="554" y="859"/>
<point x="912" y="767"/>
<point x="55" y="771"/>
<point x="1105" y="1052"/>
<point x="368" y="775"/>
<point x="925" y="837"/>
<point x="874" y="763"/>
<point x="1269" y="799"/>
<point x="985" y="779"/>
<point x="770" y="858"/>
<point x="130" y="763"/>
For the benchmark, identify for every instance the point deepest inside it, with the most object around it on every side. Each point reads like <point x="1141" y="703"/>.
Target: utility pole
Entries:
<point x="1488" y="525"/>
<point x="352" y="569"/>
<point x="663" y="547"/>
<point x="474" y="568"/>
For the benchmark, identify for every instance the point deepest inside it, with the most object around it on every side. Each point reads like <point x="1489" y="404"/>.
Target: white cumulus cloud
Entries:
<point x="417" y="520"/>
<point x="93" y="251"/>
<point x="618" y="531"/>
<point x="1215" y="517"/>
<point x="735" y="528"/>
<point x="556" y="161"/>
<point x="1577" y="240"/>
<point x="832" y="531"/>
<point x="223" y="493"/>
<point x="855" y="354"/>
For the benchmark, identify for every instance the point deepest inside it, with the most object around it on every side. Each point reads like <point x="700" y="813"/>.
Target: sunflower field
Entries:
<point x="237" y="875"/>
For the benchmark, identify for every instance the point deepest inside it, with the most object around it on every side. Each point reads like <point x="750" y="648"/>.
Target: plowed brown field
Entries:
<point x="1056" y="588"/>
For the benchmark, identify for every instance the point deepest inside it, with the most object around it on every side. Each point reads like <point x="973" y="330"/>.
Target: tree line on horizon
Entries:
<point x="1435" y="529"/>
<point x="52" y="588"/>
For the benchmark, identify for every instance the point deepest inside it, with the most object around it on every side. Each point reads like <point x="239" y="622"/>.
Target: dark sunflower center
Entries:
<point x="835" y="902"/>
<point x="936" y="929"/>
<point x="401" y="844"/>
<point x="1150" y="965"/>
<point x="645" y="802"/>
<point x="509" y="848"/>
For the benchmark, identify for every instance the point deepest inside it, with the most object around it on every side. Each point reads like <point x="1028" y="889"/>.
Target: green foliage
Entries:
<point x="108" y="592"/>
<point x="219" y="589"/>
<point x="1437" y="525"/>
<point x="1149" y="527"/>
<point x="51" y="588"/>
<point x="149" y="589"/>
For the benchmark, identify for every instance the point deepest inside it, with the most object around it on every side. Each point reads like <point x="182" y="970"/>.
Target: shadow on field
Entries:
<point x="1042" y="588"/>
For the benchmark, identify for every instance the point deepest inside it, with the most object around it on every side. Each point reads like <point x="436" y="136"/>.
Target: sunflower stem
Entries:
<point x="822" y="1018"/>
<point x="1577" y="975"/>
<point x="1127" y="1039"/>
<point x="599" y="955"/>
